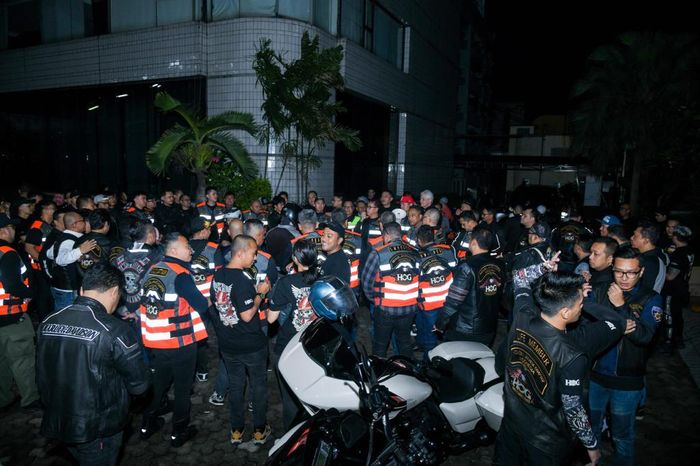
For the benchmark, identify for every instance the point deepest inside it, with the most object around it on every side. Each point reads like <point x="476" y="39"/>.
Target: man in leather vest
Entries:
<point x="474" y="299"/>
<point x="617" y="377"/>
<point x="16" y="331"/>
<point x="390" y="280"/>
<point x="171" y="325"/>
<point x="65" y="280"/>
<point x="545" y="368"/>
<point x="88" y="364"/>
<point x="460" y="245"/>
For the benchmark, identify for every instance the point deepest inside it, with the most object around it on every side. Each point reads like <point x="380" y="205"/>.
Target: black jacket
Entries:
<point x="87" y="364"/>
<point x="474" y="300"/>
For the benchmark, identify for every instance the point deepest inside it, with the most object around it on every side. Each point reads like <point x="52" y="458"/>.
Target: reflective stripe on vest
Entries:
<point x="436" y="264"/>
<point x="45" y="229"/>
<point x="12" y="304"/>
<point x="353" y="252"/>
<point x="167" y="320"/>
<point x="396" y="281"/>
<point x="203" y="268"/>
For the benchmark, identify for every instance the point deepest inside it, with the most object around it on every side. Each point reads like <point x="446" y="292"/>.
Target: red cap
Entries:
<point x="407" y="199"/>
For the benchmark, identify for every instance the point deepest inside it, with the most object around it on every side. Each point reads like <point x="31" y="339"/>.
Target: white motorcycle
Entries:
<point x="427" y="410"/>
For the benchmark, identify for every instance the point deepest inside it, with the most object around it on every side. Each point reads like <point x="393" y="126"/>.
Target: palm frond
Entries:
<point x="236" y="151"/>
<point x="159" y="154"/>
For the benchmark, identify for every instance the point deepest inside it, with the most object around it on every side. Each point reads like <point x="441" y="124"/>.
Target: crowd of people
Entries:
<point x="124" y="295"/>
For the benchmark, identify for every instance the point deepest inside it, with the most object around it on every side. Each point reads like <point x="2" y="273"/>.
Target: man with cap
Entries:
<point x="676" y="291"/>
<point x="407" y="201"/>
<point x="22" y="209"/>
<point x="336" y="263"/>
<point x="606" y="222"/>
<point x="101" y="201"/>
<point x="16" y="332"/>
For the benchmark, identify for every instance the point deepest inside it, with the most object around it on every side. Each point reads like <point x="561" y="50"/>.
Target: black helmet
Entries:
<point x="290" y="214"/>
<point x="331" y="298"/>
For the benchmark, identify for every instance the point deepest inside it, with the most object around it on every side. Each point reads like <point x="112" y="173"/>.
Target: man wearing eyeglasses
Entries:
<point x="617" y="377"/>
<point x="67" y="250"/>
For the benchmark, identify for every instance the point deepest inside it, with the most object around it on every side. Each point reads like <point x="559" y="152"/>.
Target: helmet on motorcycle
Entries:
<point x="290" y="214"/>
<point x="331" y="298"/>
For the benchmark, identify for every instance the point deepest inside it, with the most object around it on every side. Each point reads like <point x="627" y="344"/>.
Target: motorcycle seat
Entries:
<point x="457" y="379"/>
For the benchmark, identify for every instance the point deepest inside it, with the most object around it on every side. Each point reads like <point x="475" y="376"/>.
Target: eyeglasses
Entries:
<point x="626" y="273"/>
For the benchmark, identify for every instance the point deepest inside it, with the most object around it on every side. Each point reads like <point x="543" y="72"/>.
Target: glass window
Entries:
<point x="22" y="24"/>
<point x="127" y="15"/>
<point x="258" y="7"/>
<point x="351" y="21"/>
<point x="326" y="15"/>
<point x="174" y="11"/>
<point x="388" y="37"/>
<point x="63" y="19"/>
<point x="299" y="9"/>
<point x="224" y="9"/>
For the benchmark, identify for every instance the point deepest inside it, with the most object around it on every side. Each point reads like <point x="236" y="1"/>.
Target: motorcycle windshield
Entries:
<point x="329" y="345"/>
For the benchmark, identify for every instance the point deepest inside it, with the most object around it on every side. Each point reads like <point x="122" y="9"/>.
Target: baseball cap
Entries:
<point x="400" y="214"/>
<point x="5" y="221"/>
<point x="407" y="199"/>
<point x="682" y="232"/>
<point x="21" y="201"/>
<point x="363" y="199"/>
<point x="540" y="229"/>
<point x="100" y="198"/>
<point x="336" y="227"/>
<point x="609" y="220"/>
<point x="198" y="224"/>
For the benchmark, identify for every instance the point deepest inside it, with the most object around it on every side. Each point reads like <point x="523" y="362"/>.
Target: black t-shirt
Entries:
<point x="337" y="264"/>
<point x="681" y="259"/>
<point x="233" y="292"/>
<point x="290" y="296"/>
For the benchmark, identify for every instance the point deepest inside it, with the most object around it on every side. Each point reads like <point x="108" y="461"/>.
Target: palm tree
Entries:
<point x="633" y="101"/>
<point x="201" y="143"/>
<point x="298" y="106"/>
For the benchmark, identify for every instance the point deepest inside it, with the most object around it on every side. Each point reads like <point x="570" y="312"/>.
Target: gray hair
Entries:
<point x="307" y="217"/>
<point x="428" y="194"/>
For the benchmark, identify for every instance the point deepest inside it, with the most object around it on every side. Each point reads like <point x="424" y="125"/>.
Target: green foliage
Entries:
<point x="636" y="97"/>
<point x="202" y="142"/>
<point x="227" y="177"/>
<point x="298" y="109"/>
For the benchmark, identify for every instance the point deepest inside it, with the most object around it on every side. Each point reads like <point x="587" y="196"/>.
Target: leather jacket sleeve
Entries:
<point x="462" y="285"/>
<point x="129" y="362"/>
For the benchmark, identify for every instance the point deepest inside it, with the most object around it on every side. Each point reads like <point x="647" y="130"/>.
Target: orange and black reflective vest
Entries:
<point x="352" y="247"/>
<point x="45" y="229"/>
<point x="435" y="264"/>
<point x="213" y="214"/>
<point x="315" y="238"/>
<point x="12" y="304"/>
<point x="203" y="267"/>
<point x="460" y="245"/>
<point x="167" y="320"/>
<point x="396" y="280"/>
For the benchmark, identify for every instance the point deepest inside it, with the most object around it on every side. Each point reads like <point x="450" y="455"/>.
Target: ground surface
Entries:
<point x="668" y="435"/>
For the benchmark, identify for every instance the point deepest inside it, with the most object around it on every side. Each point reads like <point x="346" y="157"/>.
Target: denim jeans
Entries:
<point x="221" y="385"/>
<point x="623" y="407"/>
<point x="425" y="321"/>
<point x="386" y="326"/>
<point x="62" y="299"/>
<point x="99" y="452"/>
<point x="240" y="368"/>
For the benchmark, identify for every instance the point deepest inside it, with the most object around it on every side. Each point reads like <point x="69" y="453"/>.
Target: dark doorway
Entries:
<point x="90" y="138"/>
<point x="355" y="172"/>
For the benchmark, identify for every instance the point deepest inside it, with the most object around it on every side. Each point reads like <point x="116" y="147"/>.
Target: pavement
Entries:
<point x="668" y="434"/>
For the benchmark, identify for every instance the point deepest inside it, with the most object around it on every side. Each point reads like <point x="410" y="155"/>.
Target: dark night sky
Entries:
<point x="541" y="46"/>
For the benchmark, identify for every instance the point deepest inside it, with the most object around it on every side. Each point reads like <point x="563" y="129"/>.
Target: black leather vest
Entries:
<point x="536" y="353"/>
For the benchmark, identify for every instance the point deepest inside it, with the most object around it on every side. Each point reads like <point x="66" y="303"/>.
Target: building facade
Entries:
<point x="77" y="81"/>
